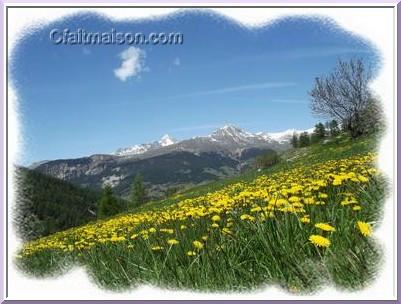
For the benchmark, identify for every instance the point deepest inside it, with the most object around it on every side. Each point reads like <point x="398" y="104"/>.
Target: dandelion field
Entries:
<point x="302" y="224"/>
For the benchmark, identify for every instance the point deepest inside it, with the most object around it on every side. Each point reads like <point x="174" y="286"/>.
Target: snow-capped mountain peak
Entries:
<point x="229" y="136"/>
<point x="166" y="140"/>
<point x="134" y="150"/>
<point x="231" y="132"/>
<point x="286" y="135"/>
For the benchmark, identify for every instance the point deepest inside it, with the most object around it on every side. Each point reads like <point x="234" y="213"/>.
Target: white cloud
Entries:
<point x="132" y="63"/>
<point x="177" y="61"/>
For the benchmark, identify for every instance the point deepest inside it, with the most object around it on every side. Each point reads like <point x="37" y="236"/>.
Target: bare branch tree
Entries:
<point x="343" y="94"/>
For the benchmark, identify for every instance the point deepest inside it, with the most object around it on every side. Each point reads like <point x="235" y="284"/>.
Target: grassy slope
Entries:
<point x="275" y="251"/>
<point x="341" y="147"/>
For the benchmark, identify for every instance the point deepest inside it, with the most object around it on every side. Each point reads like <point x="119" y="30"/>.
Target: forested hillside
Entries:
<point x="46" y="204"/>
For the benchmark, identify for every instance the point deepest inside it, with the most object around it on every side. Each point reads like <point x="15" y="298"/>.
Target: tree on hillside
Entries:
<point x="334" y="130"/>
<point x="45" y="204"/>
<point x="294" y="140"/>
<point x="108" y="204"/>
<point x="267" y="159"/>
<point x="344" y="95"/>
<point x="304" y="139"/>
<point x="320" y="130"/>
<point x="138" y="191"/>
<point x="318" y="133"/>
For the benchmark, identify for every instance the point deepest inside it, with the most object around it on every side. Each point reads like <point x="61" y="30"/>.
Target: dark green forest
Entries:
<point x="46" y="204"/>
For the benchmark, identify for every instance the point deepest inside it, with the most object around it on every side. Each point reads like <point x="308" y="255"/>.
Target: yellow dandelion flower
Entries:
<point x="191" y="253"/>
<point x="281" y="202"/>
<point x="166" y="230"/>
<point x="157" y="248"/>
<point x="226" y="230"/>
<point x="247" y="217"/>
<point x="115" y="238"/>
<point x="357" y="208"/>
<point x="323" y="195"/>
<point x="309" y="200"/>
<point x="305" y="220"/>
<point x="363" y="179"/>
<point x="364" y="228"/>
<point x="205" y="237"/>
<point x="172" y="242"/>
<point x="325" y="227"/>
<point x="216" y="218"/>
<point x="319" y="240"/>
<point x="294" y="199"/>
<point x="215" y="225"/>
<point x="198" y="245"/>
<point x="256" y="209"/>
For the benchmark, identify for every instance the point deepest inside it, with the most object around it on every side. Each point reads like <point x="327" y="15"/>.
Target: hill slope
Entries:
<point x="46" y="204"/>
<point x="300" y="224"/>
<point x="189" y="162"/>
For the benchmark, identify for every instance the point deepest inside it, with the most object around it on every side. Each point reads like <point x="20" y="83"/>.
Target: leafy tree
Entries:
<point x="304" y="139"/>
<point x="333" y="128"/>
<point x="108" y="204"/>
<point x="320" y="130"/>
<point x="294" y="140"/>
<point x="138" y="191"/>
<point x="318" y="133"/>
<point x="344" y="95"/>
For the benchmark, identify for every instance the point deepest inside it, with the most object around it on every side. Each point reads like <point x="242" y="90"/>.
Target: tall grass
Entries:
<point x="240" y="253"/>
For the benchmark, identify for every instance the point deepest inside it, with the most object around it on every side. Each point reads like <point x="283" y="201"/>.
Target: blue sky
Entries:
<point x="76" y="100"/>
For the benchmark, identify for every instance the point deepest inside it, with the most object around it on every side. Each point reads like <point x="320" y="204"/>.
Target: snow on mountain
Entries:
<point x="165" y="141"/>
<point x="283" y="136"/>
<point x="134" y="150"/>
<point x="232" y="133"/>
<point x="228" y="136"/>
<point x="240" y="136"/>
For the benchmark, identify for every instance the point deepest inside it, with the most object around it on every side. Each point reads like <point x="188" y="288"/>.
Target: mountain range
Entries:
<point x="170" y="164"/>
<point x="166" y="140"/>
<point x="229" y="136"/>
